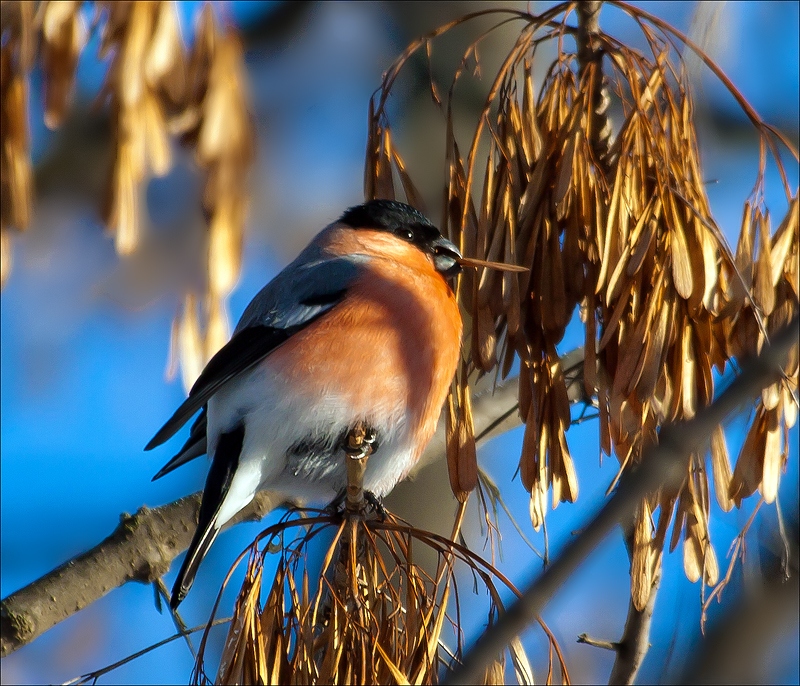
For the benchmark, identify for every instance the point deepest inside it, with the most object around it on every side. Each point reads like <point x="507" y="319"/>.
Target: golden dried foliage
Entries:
<point x="371" y="615"/>
<point x="16" y="59"/>
<point x="621" y="229"/>
<point x="157" y="91"/>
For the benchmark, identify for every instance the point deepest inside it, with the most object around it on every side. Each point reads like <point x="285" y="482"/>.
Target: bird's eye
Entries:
<point x="405" y="234"/>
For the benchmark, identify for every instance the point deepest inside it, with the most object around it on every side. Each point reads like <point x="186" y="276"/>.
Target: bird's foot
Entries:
<point x="360" y="446"/>
<point x="372" y="503"/>
<point x="334" y="506"/>
<point x="376" y="503"/>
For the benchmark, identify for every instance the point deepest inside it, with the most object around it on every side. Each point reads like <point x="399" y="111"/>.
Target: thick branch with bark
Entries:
<point x="141" y="548"/>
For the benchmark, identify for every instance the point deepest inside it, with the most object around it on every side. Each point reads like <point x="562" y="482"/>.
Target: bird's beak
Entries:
<point x="446" y="257"/>
<point x="449" y="261"/>
<point x="499" y="266"/>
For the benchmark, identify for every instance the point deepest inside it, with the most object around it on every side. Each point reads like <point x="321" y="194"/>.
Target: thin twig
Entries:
<point x="598" y="643"/>
<point x="184" y="633"/>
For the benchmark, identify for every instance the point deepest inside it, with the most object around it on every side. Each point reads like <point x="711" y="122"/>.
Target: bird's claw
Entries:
<point x="376" y="503"/>
<point x="365" y="448"/>
<point x="335" y="507"/>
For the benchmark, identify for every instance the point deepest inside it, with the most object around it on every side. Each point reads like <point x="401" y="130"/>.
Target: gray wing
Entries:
<point x="299" y="295"/>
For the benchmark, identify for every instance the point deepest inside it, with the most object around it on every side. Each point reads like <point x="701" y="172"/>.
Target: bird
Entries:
<point x="362" y="328"/>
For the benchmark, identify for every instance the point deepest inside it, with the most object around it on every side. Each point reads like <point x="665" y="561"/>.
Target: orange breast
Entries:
<point x="391" y="348"/>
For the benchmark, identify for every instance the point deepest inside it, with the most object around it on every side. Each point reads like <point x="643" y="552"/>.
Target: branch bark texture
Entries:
<point x="635" y="642"/>
<point x="590" y="66"/>
<point x="141" y="548"/>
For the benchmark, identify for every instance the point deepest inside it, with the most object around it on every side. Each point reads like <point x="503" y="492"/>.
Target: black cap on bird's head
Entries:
<point x="410" y="225"/>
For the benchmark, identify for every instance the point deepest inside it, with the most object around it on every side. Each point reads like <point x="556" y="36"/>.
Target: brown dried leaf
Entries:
<point x="5" y="255"/>
<point x="789" y="408"/>
<point x="750" y="466"/>
<point x="567" y="476"/>
<point x="156" y="138"/>
<point x="688" y="375"/>
<point x="225" y="246"/>
<point x="693" y="553"/>
<point x="124" y="214"/>
<point x="494" y="674"/>
<point x="190" y="342"/>
<point x="63" y="36"/>
<point x="721" y="469"/>
<point x="763" y="289"/>
<point x="522" y="666"/>
<point x="17" y="180"/>
<point x="538" y="504"/>
<point x="784" y="241"/>
<point x="484" y="340"/>
<point x="710" y="267"/>
<point x="225" y="131"/>
<point x="773" y="458"/>
<point x="642" y="554"/>
<point x="467" y="454"/>
<point x="681" y="263"/>
<point x="165" y="64"/>
<point x="217" y="328"/>
<point x="652" y="356"/>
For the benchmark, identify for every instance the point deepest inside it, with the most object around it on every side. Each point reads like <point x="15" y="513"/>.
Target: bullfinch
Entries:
<point x="362" y="328"/>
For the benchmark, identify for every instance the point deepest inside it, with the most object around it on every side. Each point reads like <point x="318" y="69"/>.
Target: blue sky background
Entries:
<point x="83" y="385"/>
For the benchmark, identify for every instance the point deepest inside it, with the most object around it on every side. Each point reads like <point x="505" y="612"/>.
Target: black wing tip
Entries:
<point x="193" y="448"/>
<point x="178" y="594"/>
<point x="161" y="472"/>
<point x="182" y="415"/>
<point x="185" y="579"/>
<point x="162" y="436"/>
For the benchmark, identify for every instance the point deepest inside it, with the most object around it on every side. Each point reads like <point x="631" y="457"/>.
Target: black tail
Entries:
<point x="218" y="482"/>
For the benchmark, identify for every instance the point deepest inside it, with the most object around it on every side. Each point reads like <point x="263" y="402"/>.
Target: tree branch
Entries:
<point x="590" y="61"/>
<point x="635" y="642"/>
<point x="664" y="464"/>
<point x="141" y="548"/>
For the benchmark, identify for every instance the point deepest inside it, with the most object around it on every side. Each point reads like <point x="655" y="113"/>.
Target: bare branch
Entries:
<point x="598" y="643"/>
<point x="590" y="60"/>
<point x="141" y="548"/>
<point x="664" y="464"/>
<point x="635" y="642"/>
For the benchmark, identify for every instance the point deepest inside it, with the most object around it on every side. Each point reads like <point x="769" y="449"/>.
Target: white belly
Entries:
<point x="278" y="417"/>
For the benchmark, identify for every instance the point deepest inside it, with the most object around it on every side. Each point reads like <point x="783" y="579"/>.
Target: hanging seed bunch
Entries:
<point x="621" y="228"/>
<point x="217" y="125"/>
<point x="157" y="91"/>
<point x="370" y="615"/>
<point x="17" y="55"/>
